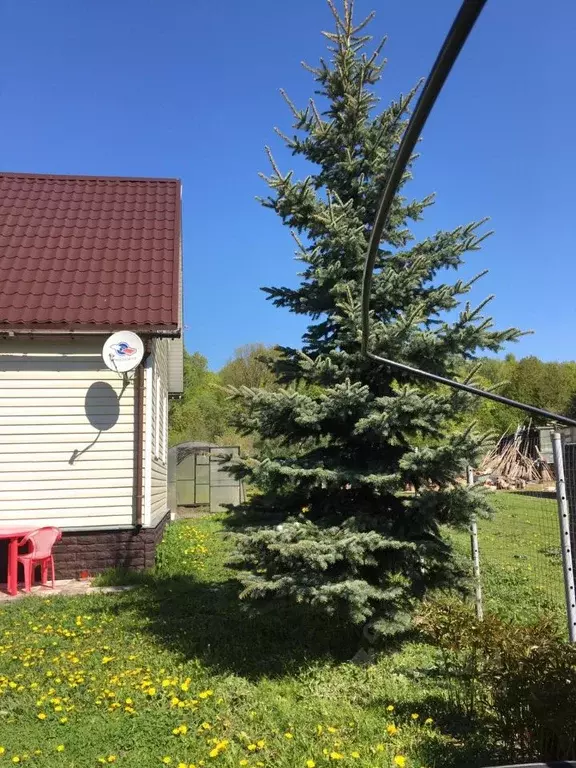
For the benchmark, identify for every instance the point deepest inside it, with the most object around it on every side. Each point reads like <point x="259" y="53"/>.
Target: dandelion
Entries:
<point x="414" y="716"/>
<point x="166" y="760"/>
<point x="244" y="761"/>
<point x="205" y="694"/>
<point x="288" y="735"/>
<point x="391" y="729"/>
<point x="205" y="726"/>
<point x="400" y="761"/>
<point x="182" y="765"/>
<point x="260" y="743"/>
<point x="252" y="747"/>
<point x="380" y="747"/>
<point x="63" y="720"/>
<point x="355" y="754"/>
<point x="390" y="708"/>
<point x="60" y="748"/>
<point x="41" y="716"/>
<point x="15" y="759"/>
<point x="428" y="721"/>
<point x="330" y="729"/>
<point x="336" y="756"/>
<point x="2" y="750"/>
<point x="310" y="764"/>
<point x="151" y="691"/>
<point x="111" y="759"/>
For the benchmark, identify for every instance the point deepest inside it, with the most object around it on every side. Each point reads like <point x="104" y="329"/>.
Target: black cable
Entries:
<point x="461" y="28"/>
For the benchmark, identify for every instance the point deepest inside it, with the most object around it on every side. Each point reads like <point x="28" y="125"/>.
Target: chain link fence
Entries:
<point x="523" y="557"/>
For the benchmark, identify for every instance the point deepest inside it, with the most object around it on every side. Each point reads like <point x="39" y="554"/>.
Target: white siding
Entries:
<point x="66" y="435"/>
<point x="156" y="397"/>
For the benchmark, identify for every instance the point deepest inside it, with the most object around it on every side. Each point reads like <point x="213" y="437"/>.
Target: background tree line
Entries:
<point x="204" y="413"/>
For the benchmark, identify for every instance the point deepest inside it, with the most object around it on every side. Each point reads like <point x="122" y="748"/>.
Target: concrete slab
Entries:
<point x="62" y="587"/>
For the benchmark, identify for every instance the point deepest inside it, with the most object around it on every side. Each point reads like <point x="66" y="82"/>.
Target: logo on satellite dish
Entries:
<point x="124" y="349"/>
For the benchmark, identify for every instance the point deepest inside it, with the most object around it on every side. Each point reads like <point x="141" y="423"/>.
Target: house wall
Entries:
<point x="66" y="436"/>
<point x="156" y="442"/>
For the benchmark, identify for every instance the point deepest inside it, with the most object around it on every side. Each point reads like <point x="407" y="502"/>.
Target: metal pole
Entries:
<point x="475" y="556"/>
<point x="564" y="518"/>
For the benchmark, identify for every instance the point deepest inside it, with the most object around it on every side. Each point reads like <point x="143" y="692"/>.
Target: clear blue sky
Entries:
<point x="189" y="88"/>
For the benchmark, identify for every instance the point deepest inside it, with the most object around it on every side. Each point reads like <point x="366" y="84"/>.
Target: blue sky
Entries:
<point x="189" y="88"/>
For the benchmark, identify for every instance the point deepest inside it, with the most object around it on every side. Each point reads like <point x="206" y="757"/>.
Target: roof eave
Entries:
<point x="91" y="330"/>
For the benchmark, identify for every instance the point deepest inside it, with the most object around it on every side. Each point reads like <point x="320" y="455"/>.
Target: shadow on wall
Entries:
<point x="102" y="409"/>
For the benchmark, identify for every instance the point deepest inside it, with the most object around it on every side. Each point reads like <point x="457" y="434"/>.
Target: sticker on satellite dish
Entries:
<point x="123" y="351"/>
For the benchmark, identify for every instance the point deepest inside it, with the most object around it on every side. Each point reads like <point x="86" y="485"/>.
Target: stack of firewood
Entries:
<point x="514" y="463"/>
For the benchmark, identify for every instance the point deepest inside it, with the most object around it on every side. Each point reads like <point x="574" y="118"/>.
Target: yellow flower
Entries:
<point x="252" y="747"/>
<point x="288" y="735"/>
<point x="41" y="716"/>
<point x="400" y="761"/>
<point x="205" y="726"/>
<point x="414" y="716"/>
<point x="319" y="730"/>
<point x="260" y="743"/>
<point x="214" y="752"/>
<point x="354" y="754"/>
<point x="390" y="708"/>
<point x="391" y="729"/>
<point x="330" y="729"/>
<point x="182" y="765"/>
<point x="244" y="762"/>
<point x="380" y="747"/>
<point x="111" y="758"/>
<point x="428" y="721"/>
<point x="336" y="756"/>
<point x="151" y="691"/>
<point x="15" y="759"/>
<point x="63" y="720"/>
<point x="2" y="750"/>
<point x="205" y="694"/>
<point x="166" y="760"/>
<point x="60" y="748"/>
<point x="310" y="764"/>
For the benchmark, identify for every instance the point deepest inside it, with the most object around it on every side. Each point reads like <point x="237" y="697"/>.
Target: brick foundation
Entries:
<point x="95" y="551"/>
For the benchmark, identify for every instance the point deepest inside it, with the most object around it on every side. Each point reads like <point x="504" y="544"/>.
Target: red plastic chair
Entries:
<point x="40" y="542"/>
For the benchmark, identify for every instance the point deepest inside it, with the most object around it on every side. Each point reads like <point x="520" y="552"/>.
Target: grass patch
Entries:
<point x="176" y="673"/>
<point x="520" y="559"/>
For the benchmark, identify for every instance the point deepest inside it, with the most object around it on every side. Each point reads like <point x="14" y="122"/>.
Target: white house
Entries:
<point x="81" y="447"/>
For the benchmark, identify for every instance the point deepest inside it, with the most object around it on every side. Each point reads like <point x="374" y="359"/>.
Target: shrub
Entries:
<point x="519" y="680"/>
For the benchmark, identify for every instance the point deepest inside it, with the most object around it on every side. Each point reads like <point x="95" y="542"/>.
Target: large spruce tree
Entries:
<point x="350" y="504"/>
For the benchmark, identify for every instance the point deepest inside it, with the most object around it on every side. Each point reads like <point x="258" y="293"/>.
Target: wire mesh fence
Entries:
<point x="520" y="549"/>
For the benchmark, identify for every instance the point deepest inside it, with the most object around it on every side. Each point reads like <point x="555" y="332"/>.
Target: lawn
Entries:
<point x="520" y="556"/>
<point x="174" y="673"/>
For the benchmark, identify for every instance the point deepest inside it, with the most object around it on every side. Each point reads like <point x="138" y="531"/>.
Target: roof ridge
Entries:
<point x="79" y="177"/>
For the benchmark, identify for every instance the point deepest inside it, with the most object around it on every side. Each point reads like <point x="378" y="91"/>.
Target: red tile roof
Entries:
<point x="89" y="253"/>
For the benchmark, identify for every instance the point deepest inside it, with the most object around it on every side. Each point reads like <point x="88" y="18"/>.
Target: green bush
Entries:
<point x="520" y="681"/>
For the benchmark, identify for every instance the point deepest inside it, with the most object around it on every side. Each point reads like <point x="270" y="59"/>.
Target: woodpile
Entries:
<point x="514" y="463"/>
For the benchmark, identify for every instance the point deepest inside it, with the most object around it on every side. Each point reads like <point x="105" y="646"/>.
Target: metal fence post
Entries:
<point x="564" y="518"/>
<point x="475" y="556"/>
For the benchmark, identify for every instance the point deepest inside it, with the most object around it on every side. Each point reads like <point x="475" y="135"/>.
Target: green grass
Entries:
<point x="100" y="678"/>
<point x="520" y="557"/>
<point x="110" y="677"/>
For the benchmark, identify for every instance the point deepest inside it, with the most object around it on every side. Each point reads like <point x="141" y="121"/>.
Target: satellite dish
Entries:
<point x="123" y="351"/>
